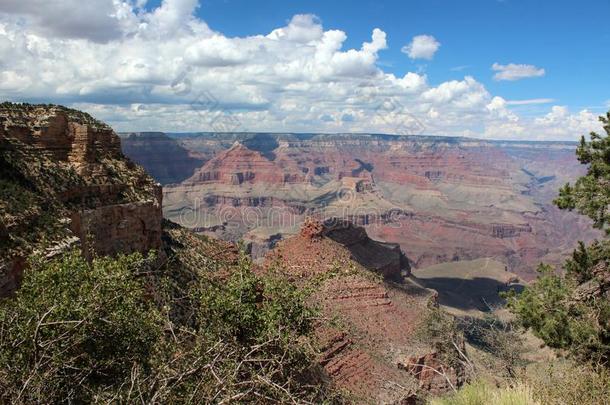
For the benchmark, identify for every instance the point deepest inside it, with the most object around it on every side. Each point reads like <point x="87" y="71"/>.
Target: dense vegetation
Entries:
<point x="124" y="330"/>
<point x="571" y="312"/>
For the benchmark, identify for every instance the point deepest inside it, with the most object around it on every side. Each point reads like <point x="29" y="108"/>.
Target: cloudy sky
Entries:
<point x="510" y="69"/>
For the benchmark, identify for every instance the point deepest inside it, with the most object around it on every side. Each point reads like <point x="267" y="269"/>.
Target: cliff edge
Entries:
<point x="65" y="182"/>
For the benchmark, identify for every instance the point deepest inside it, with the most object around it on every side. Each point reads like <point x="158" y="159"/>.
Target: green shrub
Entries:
<point x="548" y="308"/>
<point x="107" y="331"/>
<point x="542" y="307"/>
<point x="251" y="344"/>
<point x="75" y="328"/>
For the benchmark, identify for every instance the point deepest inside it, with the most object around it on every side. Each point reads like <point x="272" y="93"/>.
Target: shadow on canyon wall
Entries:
<point x="479" y="293"/>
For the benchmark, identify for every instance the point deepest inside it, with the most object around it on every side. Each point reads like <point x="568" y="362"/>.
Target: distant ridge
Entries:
<point x="309" y="136"/>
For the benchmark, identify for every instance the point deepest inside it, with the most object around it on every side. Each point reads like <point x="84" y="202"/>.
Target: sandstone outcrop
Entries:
<point x="367" y="324"/>
<point x="64" y="176"/>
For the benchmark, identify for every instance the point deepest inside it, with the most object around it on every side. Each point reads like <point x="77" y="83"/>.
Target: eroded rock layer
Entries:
<point x="65" y="182"/>
<point x="442" y="199"/>
<point x="367" y="325"/>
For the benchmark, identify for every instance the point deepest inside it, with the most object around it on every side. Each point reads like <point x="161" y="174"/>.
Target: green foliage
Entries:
<point x="249" y="308"/>
<point x="542" y="307"/>
<point x="585" y="258"/>
<point x="590" y="195"/>
<point x="250" y="344"/>
<point x="107" y="331"/>
<point x="75" y="328"/>
<point x="548" y="308"/>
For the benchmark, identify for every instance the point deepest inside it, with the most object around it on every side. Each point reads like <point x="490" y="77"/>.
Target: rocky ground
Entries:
<point x="368" y="319"/>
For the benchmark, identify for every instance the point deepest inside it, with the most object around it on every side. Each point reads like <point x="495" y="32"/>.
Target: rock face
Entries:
<point x="239" y="165"/>
<point x="367" y="325"/>
<point x="386" y="259"/>
<point x="166" y="160"/>
<point x="442" y="199"/>
<point x="124" y="228"/>
<point x="432" y="375"/>
<point x="64" y="177"/>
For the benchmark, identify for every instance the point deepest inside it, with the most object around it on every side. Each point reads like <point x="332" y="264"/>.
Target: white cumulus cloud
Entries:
<point x="421" y="47"/>
<point x="165" y="69"/>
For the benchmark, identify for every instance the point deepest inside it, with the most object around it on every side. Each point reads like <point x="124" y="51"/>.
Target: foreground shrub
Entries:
<point x="107" y="331"/>
<point x="75" y="328"/>
<point x="249" y="344"/>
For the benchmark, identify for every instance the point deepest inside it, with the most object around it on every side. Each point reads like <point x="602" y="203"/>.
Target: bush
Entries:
<point x="542" y="307"/>
<point x="106" y="331"/>
<point x="250" y="344"/>
<point x="549" y="309"/>
<point x="74" y="329"/>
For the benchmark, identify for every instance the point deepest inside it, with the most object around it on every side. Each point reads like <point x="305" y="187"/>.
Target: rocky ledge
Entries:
<point x="64" y="179"/>
<point x="384" y="258"/>
<point x="368" y="323"/>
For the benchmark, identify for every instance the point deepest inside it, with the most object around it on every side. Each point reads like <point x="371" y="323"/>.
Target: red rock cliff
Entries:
<point x="65" y="181"/>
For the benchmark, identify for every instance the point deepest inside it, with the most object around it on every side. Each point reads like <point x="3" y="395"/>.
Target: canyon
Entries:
<point x="67" y="186"/>
<point x="441" y="199"/>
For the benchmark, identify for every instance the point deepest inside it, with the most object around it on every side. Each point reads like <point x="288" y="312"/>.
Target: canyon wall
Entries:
<point x="440" y="198"/>
<point x="65" y="183"/>
<point x="166" y="160"/>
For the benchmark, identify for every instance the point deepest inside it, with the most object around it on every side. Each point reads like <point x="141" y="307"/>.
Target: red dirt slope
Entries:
<point x="367" y="324"/>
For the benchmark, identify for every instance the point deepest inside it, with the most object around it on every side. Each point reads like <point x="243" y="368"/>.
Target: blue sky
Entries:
<point x="569" y="39"/>
<point x="510" y="69"/>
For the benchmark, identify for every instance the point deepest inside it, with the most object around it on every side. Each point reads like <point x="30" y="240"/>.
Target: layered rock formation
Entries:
<point x="239" y="165"/>
<point x="65" y="181"/>
<point x="441" y="199"/>
<point x="367" y="325"/>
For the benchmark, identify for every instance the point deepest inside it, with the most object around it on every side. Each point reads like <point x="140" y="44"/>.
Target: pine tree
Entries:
<point x="572" y="311"/>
